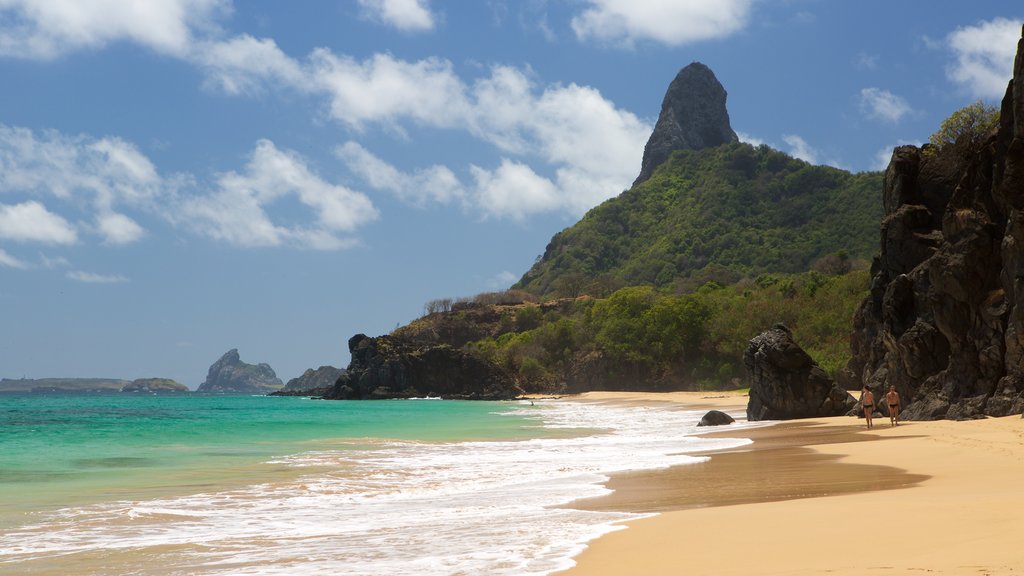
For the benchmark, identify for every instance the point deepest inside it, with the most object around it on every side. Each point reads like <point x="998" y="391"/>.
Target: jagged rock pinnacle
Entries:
<point x="693" y="116"/>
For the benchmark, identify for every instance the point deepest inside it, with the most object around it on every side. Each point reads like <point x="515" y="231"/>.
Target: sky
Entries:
<point x="183" y="177"/>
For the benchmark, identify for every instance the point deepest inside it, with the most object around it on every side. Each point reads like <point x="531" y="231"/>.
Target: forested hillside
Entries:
<point x="718" y="214"/>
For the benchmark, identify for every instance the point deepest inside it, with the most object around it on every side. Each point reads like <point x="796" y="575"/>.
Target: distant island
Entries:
<point x="90" y="385"/>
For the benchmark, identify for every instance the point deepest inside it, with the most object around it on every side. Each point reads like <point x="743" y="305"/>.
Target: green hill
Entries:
<point x="714" y="214"/>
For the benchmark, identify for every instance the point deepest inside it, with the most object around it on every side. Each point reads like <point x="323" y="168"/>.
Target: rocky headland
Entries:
<point x="944" y="321"/>
<point x="229" y="375"/>
<point x="397" y="367"/>
<point x="90" y="385"/>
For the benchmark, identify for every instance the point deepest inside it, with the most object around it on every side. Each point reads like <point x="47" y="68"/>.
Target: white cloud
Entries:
<point x="32" y="222"/>
<point x="883" y="105"/>
<point x="436" y="183"/>
<point x="514" y="191"/>
<point x="10" y="261"/>
<point x="671" y="22"/>
<point x="865" y="61"/>
<point x="91" y="278"/>
<point x="46" y="29"/>
<point x="118" y="229"/>
<point x="386" y="90"/>
<point x="984" y="56"/>
<point x="799" y="148"/>
<point x="244" y="65"/>
<point x="752" y="140"/>
<point x="236" y="210"/>
<point x="406" y="15"/>
<point x="501" y="280"/>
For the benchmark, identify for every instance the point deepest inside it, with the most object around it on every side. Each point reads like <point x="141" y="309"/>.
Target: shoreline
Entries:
<point x="805" y="494"/>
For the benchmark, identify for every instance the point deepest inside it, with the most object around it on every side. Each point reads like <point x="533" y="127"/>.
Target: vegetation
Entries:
<point x="718" y="214"/>
<point x="966" y="129"/>
<point x="688" y="340"/>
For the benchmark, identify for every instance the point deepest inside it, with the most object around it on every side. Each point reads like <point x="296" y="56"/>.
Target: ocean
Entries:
<point x="219" y="485"/>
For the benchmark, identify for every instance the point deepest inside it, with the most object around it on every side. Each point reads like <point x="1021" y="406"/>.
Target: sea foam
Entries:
<point x="380" y="507"/>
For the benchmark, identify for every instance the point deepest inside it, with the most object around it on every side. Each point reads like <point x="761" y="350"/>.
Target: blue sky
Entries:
<point x="182" y="177"/>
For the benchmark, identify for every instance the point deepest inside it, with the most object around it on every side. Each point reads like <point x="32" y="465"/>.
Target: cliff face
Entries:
<point x="230" y="375"/>
<point x="693" y="116"/>
<point x="944" y="321"/>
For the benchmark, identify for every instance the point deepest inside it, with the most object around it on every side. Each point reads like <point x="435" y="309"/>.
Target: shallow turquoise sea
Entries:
<point x="65" y="450"/>
<point x="254" y="485"/>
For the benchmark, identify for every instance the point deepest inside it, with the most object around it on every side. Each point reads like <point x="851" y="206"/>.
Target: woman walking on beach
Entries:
<point x="892" y="398"/>
<point x="867" y="401"/>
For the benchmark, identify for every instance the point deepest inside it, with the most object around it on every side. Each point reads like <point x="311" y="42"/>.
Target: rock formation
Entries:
<point x="230" y="375"/>
<point x="154" y="385"/>
<point x="715" y="418"/>
<point x="693" y="116"/>
<point x="311" y="380"/>
<point x="395" y="367"/>
<point x="785" y="383"/>
<point x="944" y="320"/>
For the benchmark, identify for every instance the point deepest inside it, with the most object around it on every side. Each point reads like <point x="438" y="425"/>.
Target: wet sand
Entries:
<point x="824" y="496"/>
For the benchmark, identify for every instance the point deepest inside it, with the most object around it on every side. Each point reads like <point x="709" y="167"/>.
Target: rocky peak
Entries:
<point x="230" y="375"/>
<point x="693" y="116"/>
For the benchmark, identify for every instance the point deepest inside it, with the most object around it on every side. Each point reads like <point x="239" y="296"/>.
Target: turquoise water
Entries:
<point x="63" y="450"/>
<point x="229" y="486"/>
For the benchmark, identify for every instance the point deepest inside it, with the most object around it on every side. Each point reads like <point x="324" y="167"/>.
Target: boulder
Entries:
<point x="716" y="418"/>
<point x="229" y="375"/>
<point x="693" y="116"/>
<point x="785" y="383"/>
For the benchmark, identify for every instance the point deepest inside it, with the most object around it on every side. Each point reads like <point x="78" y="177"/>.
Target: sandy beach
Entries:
<point x="824" y="496"/>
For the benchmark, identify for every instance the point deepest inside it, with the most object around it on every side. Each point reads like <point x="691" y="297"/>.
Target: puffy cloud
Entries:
<point x="235" y="211"/>
<point x="436" y="183"/>
<point x="407" y="15"/>
<point x="514" y="191"/>
<point x="671" y="22"/>
<point x="747" y="138"/>
<point x="81" y="171"/>
<point x="45" y="29"/>
<point x="10" y="261"/>
<point x="32" y="222"/>
<point x="92" y="278"/>
<point x="799" y="148"/>
<point x="883" y="105"/>
<point x="984" y="56"/>
<point x="244" y="65"/>
<point x="384" y="89"/>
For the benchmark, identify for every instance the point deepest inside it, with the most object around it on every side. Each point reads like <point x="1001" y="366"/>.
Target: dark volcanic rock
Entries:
<point x="312" y="380"/>
<point x="231" y="375"/>
<point x="785" y="383"/>
<point x="393" y="367"/>
<point x="944" y="319"/>
<point x="693" y="116"/>
<point x="715" y="418"/>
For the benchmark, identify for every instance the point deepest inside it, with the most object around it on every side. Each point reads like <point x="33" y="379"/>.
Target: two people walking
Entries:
<point x="892" y="400"/>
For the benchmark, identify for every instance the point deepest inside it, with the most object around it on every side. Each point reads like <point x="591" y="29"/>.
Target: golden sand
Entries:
<point x="825" y="496"/>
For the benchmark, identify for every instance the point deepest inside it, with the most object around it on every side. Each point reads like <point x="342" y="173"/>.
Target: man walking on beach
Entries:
<point x="892" y="398"/>
<point x="867" y="401"/>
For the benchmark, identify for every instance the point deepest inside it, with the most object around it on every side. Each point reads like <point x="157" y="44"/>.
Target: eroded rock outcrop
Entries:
<point x="944" y="320"/>
<point x="314" y="381"/>
<point x="693" y="116"/>
<point x="785" y="383"/>
<point x="229" y="375"/>
<point x="394" y="367"/>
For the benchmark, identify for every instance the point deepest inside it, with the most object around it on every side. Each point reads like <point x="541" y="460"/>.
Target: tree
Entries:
<point x="966" y="129"/>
